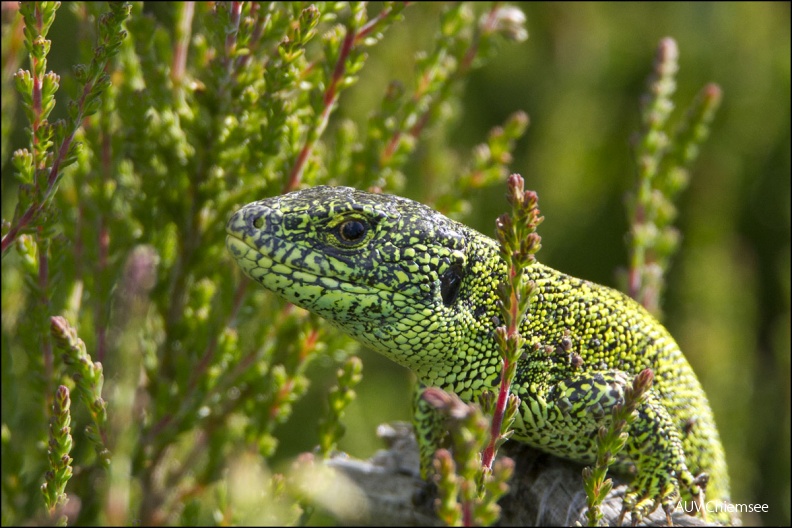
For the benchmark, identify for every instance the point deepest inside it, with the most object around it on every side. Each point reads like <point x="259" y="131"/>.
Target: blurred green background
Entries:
<point x="580" y="76"/>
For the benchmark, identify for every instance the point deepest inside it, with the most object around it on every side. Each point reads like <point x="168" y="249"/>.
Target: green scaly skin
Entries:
<point x="419" y="288"/>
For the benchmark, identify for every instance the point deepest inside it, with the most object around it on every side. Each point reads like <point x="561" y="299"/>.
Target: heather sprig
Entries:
<point x="610" y="441"/>
<point x="89" y="379"/>
<point x="473" y="475"/>
<point x="519" y="242"/>
<point x="470" y="481"/>
<point x="331" y="428"/>
<point x="663" y="154"/>
<point x="52" y="148"/>
<point x="347" y="57"/>
<point x="59" y="448"/>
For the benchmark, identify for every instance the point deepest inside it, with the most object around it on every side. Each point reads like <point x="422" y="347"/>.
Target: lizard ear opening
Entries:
<point x="450" y="281"/>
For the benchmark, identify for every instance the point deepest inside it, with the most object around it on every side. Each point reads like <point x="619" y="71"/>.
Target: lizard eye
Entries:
<point x="351" y="231"/>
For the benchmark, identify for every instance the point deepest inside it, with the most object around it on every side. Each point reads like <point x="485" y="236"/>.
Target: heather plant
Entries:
<point x="664" y="152"/>
<point x="169" y="377"/>
<point x="144" y="381"/>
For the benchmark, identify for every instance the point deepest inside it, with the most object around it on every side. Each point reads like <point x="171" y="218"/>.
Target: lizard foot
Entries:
<point x="648" y="491"/>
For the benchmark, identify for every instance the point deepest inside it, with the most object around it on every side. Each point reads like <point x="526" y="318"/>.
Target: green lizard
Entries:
<point x="419" y="288"/>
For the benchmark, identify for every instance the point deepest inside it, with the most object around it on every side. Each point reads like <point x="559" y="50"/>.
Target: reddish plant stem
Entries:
<point x="353" y="37"/>
<point x="103" y="251"/>
<point x="184" y="25"/>
<point x="255" y="37"/>
<point x="308" y="345"/>
<point x="421" y="122"/>
<point x="43" y="284"/>
<point x="488" y="456"/>
<point x="167" y="420"/>
<point x="637" y="258"/>
<point x="497" y="417"/>
<point x="35" y="208"/>
<point x="373" y="23"/>
<point x="36" y="120"/>
<point x="103" y="241"/>
<point x="467" y="513"/>
<point x="231" y="38"/>
<point x="329" y="99"/>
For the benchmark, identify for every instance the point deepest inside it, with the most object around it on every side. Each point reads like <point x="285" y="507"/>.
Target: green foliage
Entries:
<point x="89" y="379"/>
<point x="40" y="169"/>
<point x="331" y="429"/>
<point x="206" y="383"/>
<point x="179" y="113"/>
<point x="663" y="159"/>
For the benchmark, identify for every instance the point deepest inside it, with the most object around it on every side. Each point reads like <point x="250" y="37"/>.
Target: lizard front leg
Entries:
<point x="430" y="433"/>
<point x="563" y="418"/>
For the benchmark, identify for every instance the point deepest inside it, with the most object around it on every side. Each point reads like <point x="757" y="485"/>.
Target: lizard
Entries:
<point x="420" y="288"/>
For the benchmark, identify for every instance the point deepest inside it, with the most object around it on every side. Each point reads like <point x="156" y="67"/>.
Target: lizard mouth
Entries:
<point x="352" y="307"/>
<point x="265" y="269"/>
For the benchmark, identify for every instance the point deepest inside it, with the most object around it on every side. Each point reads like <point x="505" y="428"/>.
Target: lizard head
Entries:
<point x="387" y="270"/>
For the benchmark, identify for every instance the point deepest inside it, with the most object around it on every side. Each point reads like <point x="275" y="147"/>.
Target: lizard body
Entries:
<point x="420" y="288"/>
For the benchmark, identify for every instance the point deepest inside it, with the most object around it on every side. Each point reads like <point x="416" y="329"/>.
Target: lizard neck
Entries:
<point x="452" y="346"/>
